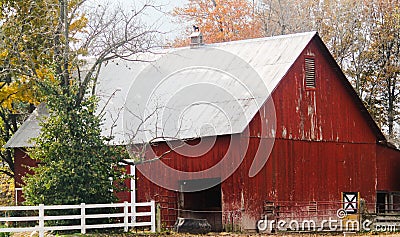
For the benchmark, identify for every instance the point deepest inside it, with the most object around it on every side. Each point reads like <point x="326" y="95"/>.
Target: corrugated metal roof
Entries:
<point x="186" y="93"/>
<point x="29" y="129"/>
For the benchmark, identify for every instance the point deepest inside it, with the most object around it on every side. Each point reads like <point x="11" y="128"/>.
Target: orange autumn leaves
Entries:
<point x="221" y="20"/>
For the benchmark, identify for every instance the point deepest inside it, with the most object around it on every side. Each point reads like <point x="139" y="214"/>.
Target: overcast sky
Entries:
<point x="163" y="21"/>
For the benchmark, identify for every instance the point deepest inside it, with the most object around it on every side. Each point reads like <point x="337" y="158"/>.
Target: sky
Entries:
<point x="160" y="18"/>
<point x="165" y="20"/>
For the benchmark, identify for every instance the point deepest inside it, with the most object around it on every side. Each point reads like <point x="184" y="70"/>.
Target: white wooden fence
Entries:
<point x="41" y="218"/>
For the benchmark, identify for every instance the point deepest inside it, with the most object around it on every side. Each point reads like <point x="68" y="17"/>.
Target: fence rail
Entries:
<point x="128" y="216"/>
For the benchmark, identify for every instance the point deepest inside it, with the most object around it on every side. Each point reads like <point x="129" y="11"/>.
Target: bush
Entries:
<point x="6" y="190"/>
<point x="75" y="162"/>
<point x="4" y="234"/>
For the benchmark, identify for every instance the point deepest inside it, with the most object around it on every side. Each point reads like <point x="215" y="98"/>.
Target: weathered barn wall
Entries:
<point x="169" y="200"/>
<point x="123" y="193"/>
<point x="296" y="172"/>
<point x="388" y="168"/>
<point x="301" y="172"/>
<point x="327" y="113"/>
<point x="324" y="146"/>
<point x="22" y="164"/>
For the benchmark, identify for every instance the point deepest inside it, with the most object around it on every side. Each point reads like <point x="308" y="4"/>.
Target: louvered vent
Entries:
<point x="310" y="73"/>
<point x="312" y="207"/>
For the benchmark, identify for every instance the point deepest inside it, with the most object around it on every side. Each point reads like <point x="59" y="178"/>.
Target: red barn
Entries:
<point x="292" y="137"/>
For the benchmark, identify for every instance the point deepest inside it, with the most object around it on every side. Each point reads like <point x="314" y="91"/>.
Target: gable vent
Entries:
<point x="310" y="72"/>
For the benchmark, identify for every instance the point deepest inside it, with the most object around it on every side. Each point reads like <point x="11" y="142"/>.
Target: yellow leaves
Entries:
<point x="25" y="38"/>
<point x="4" y="54"/>
<point x="79" y="24"/>
<point x="44" y="74"/>
<point x="19" y="91"/>
<point x="6" y="190"/>
<point x="6" y="95"/>
<point x="22" y="90"/>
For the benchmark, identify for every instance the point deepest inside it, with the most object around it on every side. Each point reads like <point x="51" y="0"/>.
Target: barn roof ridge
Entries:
<point x="263" y="39"/>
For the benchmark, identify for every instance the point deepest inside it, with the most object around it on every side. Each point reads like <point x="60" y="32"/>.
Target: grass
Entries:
<point x="4" y="234"/>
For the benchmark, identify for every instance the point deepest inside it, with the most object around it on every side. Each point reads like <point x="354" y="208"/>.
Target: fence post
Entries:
<point x="126" y="216"/>
<point x="16" y="195"/>
<point x="133" y="193"/>
<point x="153" y="216"/>
<point x="41" y="220"/>
<point x="158" y="217"/>
<point x="83" y="219"/>
<point x="133" y="212"/>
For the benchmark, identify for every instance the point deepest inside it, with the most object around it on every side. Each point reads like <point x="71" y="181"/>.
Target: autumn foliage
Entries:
<point x="363" y="36"/>
<point x="221" y="20"/>
<point x="28" y="49"/>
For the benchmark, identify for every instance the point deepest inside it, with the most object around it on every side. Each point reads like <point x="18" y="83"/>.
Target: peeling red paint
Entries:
<point x="325" y="145"/>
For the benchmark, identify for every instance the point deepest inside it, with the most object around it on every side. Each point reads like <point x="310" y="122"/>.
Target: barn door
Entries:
<point x="204" y="204"/>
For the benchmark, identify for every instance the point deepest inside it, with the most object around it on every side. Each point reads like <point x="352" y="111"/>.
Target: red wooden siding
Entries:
<point x="22" y="164"/>
<point x="125" y="195"/>
<point x="388" y="164"/>
<point x="327" y="113"/>
<point x="325" y="145"/>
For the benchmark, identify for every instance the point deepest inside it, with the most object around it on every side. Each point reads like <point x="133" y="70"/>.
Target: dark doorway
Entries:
<point x="387" y="202"/>
<point x="205" y="204"/>
<point x="381" y="202"/>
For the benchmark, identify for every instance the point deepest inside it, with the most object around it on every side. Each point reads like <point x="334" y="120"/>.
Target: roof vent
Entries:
<point x="196" y="38"/>
<point x="310" y="72"/>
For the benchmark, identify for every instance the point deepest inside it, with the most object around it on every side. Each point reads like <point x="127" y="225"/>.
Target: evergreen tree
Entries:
<point x="76" y="165"/>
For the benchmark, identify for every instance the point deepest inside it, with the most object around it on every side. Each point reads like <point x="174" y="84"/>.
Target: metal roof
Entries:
<point x="29" y="129"/>
<point x="186" y="93"/>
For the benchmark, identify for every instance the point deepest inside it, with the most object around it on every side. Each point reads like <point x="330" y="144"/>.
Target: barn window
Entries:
<point x="310" y="73"/>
